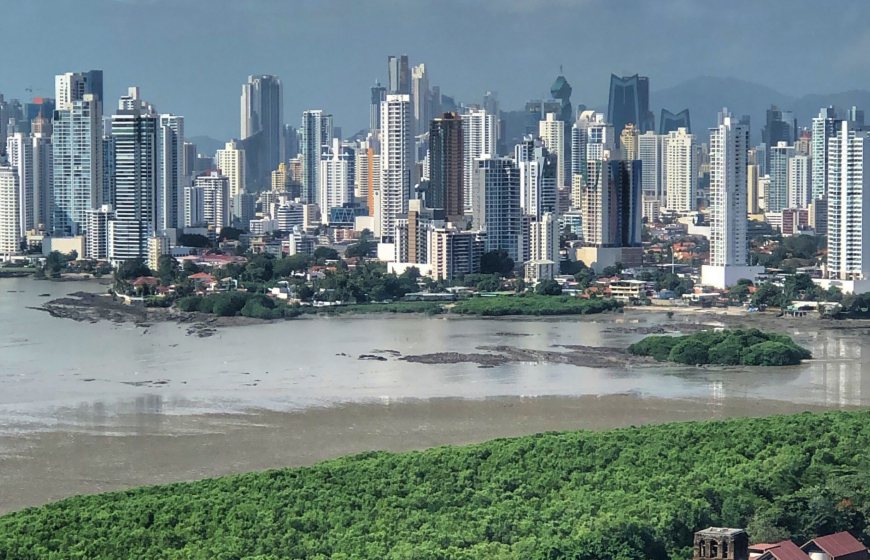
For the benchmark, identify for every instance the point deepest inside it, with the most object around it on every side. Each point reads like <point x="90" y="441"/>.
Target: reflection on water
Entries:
<point x="55" y="372"/>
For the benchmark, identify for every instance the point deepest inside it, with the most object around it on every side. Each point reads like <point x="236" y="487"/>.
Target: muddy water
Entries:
<point x="90" y="407"/>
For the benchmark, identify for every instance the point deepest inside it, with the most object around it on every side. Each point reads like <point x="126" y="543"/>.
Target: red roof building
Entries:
<point x="785" y="550"/>
<point x="839" y="546"/>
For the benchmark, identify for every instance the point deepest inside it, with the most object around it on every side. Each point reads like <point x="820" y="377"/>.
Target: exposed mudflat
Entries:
<point x="577" y="355"/>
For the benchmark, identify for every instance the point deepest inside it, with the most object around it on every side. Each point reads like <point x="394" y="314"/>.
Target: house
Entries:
<point x="839" y="546"/>
<point x="784" y="550"/>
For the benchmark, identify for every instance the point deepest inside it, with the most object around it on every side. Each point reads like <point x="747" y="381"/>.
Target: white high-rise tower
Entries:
<point x="729" y="246"/>
<point x="479" y="139"/>
<point x="397" y="161"/>
<point x="552" y="133"/>
<point x="171" y="180"/>
<point x="19" y="151"/>
<point x="680" y="170"/>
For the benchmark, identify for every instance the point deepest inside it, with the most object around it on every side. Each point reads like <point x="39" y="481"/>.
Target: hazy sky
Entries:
<point x="191" y="56"/>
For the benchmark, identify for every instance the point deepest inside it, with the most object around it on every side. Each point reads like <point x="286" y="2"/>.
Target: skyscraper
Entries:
<point x="73" y="86"/>
<point x="479" y="140"/>
<point x="680" y="171"/>
<point x="337" y="174"/>
<point x="19" y="151"/>
<point x="397" y="160"/>
<point x="848" y="201"/>
<point x="825" y="126"/>
<point x="207" y="202"/>
<point x="496" y="206"/>
<point x="421" y="97"/>
<point x="379" y="93"/>
<point x="231" y="164"/>
<point x="134" y="129"/>
<point x="612" y="204"/>
<point x="77" y="164"/>
<point x="538" y="169"/>
<point x="729" y="246"/>
<point x="262" y="127"/>
<point x="43" y="177"/>
<point x="171" y="178"/>
<point x="628" y="142"/>
<point x="446" y="166"/>
<point x="316" y="133"/>
<point x="10" y="226"/>
<point x="777" y="195"/>
<point x="591" y="136"/>
<point x="651" y="153"/>
<point x="552" y="132"/>
<point x="671" y="122"/>
<point x="399" y="75"/>
<point x="629" y="103"/>
<point x="780" y="126"/>
<point x="799" y="172"/>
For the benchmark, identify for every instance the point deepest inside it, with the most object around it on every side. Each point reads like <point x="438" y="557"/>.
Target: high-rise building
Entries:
<point x="43" y="177"/>
<point x="780" y="126"/>
<point x="262" y="127"/>
<point x="446" y="166"/>
<point x="171" y="178"/>
<point x="77" y="164"/>
<point x="629" y="103"/>
<point x="729" y="245"/>
<point x="681" y="170"/>
<point x="10" y="216"/>
<point x="19" y="152"/>
<point x="207" y="202"/>
<point x="316" y="134"/>
<point x="231" y="164"/>
<point x="454" y="253"/>
<point x="612" y="203"/>
<point x="552" y="133"/>
<point x="479" y="139"/>
<point x="496" y="205"/>
<point x="777" y="195"/>
<point x="753" y="189"/>
<point x="544" y="234"/>
<point x="379" y="93"/>
<point x="421" y="97"/>
<point x="628" y="142"/>
<point x="824" y="127"/>
<point x="799" y="173"/>
<point x="591" y="136"/>
<point x="97" y="240"/>
<point x="651" y="153"/>
<point x="73" y="86"/>
<point x="399" y="75"/>
<point x="337" y="173"/>
<point x="538" y="169"/>
<point x="848" y="201"/>
<point x="134" y="129"/>
<point x="397" y="161"/>
<point x="671" y="122"/>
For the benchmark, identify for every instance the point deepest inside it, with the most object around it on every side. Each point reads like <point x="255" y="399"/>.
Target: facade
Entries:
<point x="629" y="103"/>
<point x="77" y="164"/>
<point x="552" y="133"/>
<point x="10" y="228"/>
<point x="479" y="139"/>
<point x="446" y="166"/>
<point x="454" y="253"/>
<point x="231" y="164"/>
<point x="538" y="178"/>
<point x="848" y="200"/>
<point x="777" y="195"/>
<point x="158" y="245"/>
<point x="397" y="161"/>
<point x="799" y="181"/>
<point x="337" y="175"/>
<point x="97" y="239"/>
<point x="824" y="128"/>
<point x="171" y="178"/>
<point x="628" y="142"/>
<point x="721" y="543"/>
<point x="399" y="74"/>
<point x="612" y="204"/>
<point x="73" y="86"/>
<point x="379" y="93"/>
<point x="496" y="205"/>
<point x="671" y="122"/>
<point x="207" y="202"/>
<point x="421" y="98"/>
<point x="544" y="238"/>
<point x="681" y="171"/>
<point x="19" y="152"/>
<point x="591" y="136"/>
<point x="651" y="153"/>
<point x="43" y="178"/>
<point x="134" y="130"/>
<point x="262" y="127"/>
<point x="316" y="133"/>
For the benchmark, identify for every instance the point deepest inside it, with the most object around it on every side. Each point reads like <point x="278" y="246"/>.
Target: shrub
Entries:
<point x="689" y="351"/>
<point x="659" y="347"/>
<point x="772" y="353"/>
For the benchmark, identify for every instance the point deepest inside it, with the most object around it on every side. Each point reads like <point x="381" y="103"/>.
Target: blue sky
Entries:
<point x="191" y="56"/>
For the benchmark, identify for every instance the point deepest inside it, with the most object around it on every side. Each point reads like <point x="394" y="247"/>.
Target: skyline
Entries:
<point x="197" y="70"/>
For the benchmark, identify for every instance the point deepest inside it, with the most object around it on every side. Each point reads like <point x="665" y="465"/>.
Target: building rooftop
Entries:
<point x="836" y="545"/>
<point x="721" y="531"/>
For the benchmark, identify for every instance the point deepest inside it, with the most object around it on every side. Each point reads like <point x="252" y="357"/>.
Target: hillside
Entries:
<point x="622" y="494"/>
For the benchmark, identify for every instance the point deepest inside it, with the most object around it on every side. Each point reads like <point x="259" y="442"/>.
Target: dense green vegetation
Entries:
<point x="627" y="494"/>
<point x="749" y="347"/>
<point x="533" y="304"/>
<point x="230" y="304"/>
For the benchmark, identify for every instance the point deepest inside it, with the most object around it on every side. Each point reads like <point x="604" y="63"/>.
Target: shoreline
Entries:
<point x="135" y="450"/>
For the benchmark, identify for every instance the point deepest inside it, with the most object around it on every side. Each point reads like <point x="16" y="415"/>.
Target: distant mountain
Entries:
<point x="706" y="95"/>
<point x="206" y="145"/>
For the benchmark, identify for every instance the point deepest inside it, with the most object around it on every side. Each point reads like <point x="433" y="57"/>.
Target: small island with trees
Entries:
<point x="729" y="347"/>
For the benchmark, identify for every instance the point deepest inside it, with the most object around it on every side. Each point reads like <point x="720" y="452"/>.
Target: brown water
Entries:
<point x="91" y="407"/>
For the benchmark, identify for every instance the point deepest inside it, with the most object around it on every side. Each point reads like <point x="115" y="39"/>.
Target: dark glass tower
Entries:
<point x="446" y="165"/>
<point x="400" y="74"/>
<point x="262" y="130"/>
<point x="629" y="103"/>
<point x="670" y="122"/>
